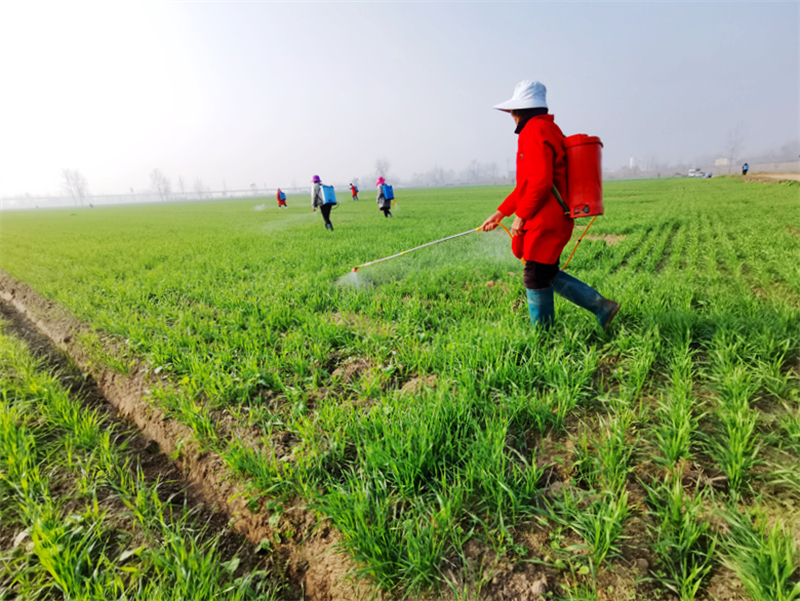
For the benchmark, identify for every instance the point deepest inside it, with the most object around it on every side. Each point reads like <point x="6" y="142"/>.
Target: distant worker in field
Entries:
<point x="318" y="201"/>
<point x="745" y="169"/>
<point x="281" y="200"/>
<point x="385" y="196"/>
<point x="354" y="191"/>
<point x="540" y="228"/>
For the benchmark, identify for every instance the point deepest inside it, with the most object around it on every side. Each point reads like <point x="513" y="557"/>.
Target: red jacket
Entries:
<point x="541" y="163"/>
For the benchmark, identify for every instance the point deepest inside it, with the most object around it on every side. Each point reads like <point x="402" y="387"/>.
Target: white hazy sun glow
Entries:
<point x="271" y="93"/>
<point x="97" y="83"/>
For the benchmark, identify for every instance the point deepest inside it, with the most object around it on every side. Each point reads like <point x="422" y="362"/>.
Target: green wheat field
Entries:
<point x="412" y="407"/>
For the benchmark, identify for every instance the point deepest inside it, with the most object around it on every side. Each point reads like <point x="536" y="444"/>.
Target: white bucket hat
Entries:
<point x="527" y="95"/>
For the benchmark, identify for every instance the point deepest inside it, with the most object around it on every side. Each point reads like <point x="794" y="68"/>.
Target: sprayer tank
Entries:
<point x="584" y="175"/>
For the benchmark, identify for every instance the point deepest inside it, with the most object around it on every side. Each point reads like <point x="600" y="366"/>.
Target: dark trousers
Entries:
<point x="538" y="276"/>
<point x="326" y="214"/>
<point x="386" y="212"/>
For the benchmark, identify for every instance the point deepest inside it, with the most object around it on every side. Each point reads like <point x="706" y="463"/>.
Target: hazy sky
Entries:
<point x="276" y="92"/>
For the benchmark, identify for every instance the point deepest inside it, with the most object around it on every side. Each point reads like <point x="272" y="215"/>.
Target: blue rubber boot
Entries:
<point x="586" y="297"/>
<point x="541" y="308"/>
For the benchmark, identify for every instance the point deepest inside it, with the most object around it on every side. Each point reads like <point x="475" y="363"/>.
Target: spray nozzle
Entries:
<point x="355" y="269"/>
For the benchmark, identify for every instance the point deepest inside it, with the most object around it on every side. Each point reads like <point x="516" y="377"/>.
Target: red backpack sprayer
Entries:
<point x="584" y="181"/>
<point x="584" y="196"/>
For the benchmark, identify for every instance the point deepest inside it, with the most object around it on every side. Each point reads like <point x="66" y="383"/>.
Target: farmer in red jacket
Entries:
<point x="354" y="192"/>
<point x="281" y="200"/>
<point x="541" y="229"/>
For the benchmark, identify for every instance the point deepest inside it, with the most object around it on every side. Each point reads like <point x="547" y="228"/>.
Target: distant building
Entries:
<point x="721" y="163"/>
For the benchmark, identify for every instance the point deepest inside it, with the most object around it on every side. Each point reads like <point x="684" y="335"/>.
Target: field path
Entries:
<point x="765" y="176"/>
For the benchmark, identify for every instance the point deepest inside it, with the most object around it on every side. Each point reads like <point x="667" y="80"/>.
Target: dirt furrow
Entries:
<point x="313" y="563"/>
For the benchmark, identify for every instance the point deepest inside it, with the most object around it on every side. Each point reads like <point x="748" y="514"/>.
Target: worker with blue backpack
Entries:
<point x="324" y="199"/>
<point x="385" y="196"/>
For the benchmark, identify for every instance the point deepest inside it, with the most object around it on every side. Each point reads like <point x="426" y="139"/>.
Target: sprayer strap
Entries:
<point x="561" y="201"/>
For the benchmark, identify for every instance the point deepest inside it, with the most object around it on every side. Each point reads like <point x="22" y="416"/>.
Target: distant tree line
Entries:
<point x="473" y="174"/>
<point x="76" y="187"/>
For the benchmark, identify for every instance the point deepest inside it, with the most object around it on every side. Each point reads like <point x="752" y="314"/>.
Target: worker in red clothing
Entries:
<point x="354" y="191"/>
<point x="282" y="200"/>
<point x="540" y="228"/>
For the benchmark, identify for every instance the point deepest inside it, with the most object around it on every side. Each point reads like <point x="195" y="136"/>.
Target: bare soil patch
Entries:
<point x="313" y="562"/>
<point x="351" y="369"/>
<point x="524" y="581"/>
<point x="414" y="385"/>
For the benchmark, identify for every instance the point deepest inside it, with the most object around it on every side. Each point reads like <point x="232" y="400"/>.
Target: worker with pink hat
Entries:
<point x="384" y="199"/>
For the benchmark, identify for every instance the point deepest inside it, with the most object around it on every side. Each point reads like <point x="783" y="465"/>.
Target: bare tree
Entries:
<point x="473" y="172"/>
<point x="182" y="186"/>
<point x="160" y="184"/>
<point x="74" y="184"/>
<point x="734" y="145"/>
<point x="199" y="188"/>
<point x="382" y="166"/>
<point x="437" y="176"/>
<point x="491" y="172"/>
